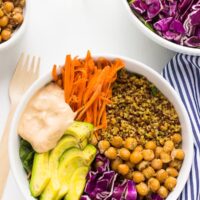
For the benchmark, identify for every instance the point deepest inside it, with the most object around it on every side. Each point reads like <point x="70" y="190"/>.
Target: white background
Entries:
<point x="59" y="27"/>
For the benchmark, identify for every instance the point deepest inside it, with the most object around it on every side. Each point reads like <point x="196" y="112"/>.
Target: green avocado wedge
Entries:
<point x="40" y="173"/>
<point x="89" y="154"/>
<point x="63" y="145"/>
<point x="53" y="187"/>
<point x="70" y="162"/>
<point x="77" y="184"/>
<point x="80" y="130"/>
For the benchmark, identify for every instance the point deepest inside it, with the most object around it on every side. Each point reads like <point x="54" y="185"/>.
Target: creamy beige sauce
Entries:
<point x="45" y="118"/>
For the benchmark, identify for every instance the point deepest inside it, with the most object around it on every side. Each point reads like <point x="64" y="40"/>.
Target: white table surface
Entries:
<point x="57" y="28"/>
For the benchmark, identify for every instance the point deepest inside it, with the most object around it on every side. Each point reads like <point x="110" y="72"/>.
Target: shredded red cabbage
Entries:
<point x="177" y="21"/>
<point x="156" y="197"/>
<point x="105" y="184"/>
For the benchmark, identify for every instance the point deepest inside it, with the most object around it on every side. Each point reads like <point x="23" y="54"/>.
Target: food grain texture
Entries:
<point x="11" y="17"/>
<point x="139" y="110"/>
<point x="143" y="135"/>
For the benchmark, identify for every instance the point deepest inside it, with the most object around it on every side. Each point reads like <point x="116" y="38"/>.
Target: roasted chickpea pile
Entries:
<point x="139" y="110"/>
<point x="153" y="168"/>
<point x="11" y="17"/>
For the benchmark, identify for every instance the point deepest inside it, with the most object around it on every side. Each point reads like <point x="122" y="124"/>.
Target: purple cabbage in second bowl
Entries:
<point x="175" y="20"/>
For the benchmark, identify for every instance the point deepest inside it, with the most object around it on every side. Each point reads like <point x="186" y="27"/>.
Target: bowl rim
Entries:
<point x="157" y="38"/>
<point x="18" y="31"/>
<point x="46" y="78"/>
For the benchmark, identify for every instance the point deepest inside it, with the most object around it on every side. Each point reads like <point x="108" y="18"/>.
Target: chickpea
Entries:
<point x="148" y="154"/>
<point x="170" y="183"/>
<point x="136" y="157"/>
<point x="6" y="34"/>
<point x="22" y="3"/>
<point x="115" y="163"/>
<point x="165" y="157"/>
<point x="8" y="6"/>
<point x="98" y="164"/>
<point x="163" y="192"/>
<point x="150" y="145"/>
<point x="142" y="165"/>
<point x="93" y="138"/>
<point x="111" y="153"/>
<point x="18" y="10"/>
<point x="153" y="184"/>
<point x="117" y="141"/>
<point x="138" y="148"/>
<point x="138" y="177"/>
<point x="4" y="21"/>
<point x="175" y="164"/>
<point x="172" y="171"/>
<point x="148" y="172"/>
<point x="161" y="175"/>
<point x="124" y="154"/>
<point x="177" y="138"/>
<point x="157" y="164"/>
<point x="1" y="13"/>
<point x="178" y="154"/>
<point x="103" y="145"/>
<point x="142" y="189"/>
<point x="18" y="18"/>
<point x="130" y="143"/>
<point x="130" y="164"/>
<point x="129" y="176"/>
<point x="123" y="169"/>
<point x="168" y="146"/>
<point x="158" y="150"/>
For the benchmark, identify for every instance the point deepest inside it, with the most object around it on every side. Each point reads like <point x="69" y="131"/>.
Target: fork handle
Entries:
<point x="4" y="167"/>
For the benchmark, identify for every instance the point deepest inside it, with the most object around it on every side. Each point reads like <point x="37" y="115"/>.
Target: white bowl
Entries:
<point x="17" y="35"/>
<point x="133" y="66"/>
<point x="155" y="37"/>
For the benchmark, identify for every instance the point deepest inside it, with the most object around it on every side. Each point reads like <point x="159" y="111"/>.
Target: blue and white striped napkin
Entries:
<point x="183" y="73"/>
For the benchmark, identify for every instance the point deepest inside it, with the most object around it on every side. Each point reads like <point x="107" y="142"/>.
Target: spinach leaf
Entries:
<point x="154" y="91"/>
<point x="26" y="154"/>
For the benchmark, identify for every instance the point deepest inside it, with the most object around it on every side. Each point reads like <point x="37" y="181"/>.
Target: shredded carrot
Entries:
<point x="87" y="85"/>
<point x="54" y="73"/>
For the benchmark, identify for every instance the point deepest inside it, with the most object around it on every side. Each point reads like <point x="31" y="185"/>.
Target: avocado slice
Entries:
<point x="53" y="187"/>
<point x="80" y="130"/>
<point x="77" y="183"/>
<point x="83" y="144"/>
<point x="89" y="154"/>
<point x="40" y="173"/>
<point x="70" y="162"/>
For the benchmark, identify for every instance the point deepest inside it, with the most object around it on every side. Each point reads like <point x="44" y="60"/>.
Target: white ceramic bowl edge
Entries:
<point x="131" y="65"/>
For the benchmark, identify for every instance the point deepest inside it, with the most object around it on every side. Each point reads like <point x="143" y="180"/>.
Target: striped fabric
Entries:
<point x="183" y="73"/>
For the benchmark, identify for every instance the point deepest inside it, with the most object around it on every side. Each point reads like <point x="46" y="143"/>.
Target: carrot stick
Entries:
<point x="54" y="73"/>
<point x="90" y="102"/>
<point x="67" y="86"/>
<point x="101" y="112"/>
<point x="95" y="113"/>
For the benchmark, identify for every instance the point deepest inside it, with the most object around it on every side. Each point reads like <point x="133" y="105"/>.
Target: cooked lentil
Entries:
<point x="139" y="110"/>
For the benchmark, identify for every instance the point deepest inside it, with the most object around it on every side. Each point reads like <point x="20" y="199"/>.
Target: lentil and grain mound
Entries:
<point x="139" y="110"/>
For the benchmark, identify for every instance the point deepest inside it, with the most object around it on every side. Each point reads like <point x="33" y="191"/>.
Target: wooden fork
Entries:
<point x="25" y="74"/>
